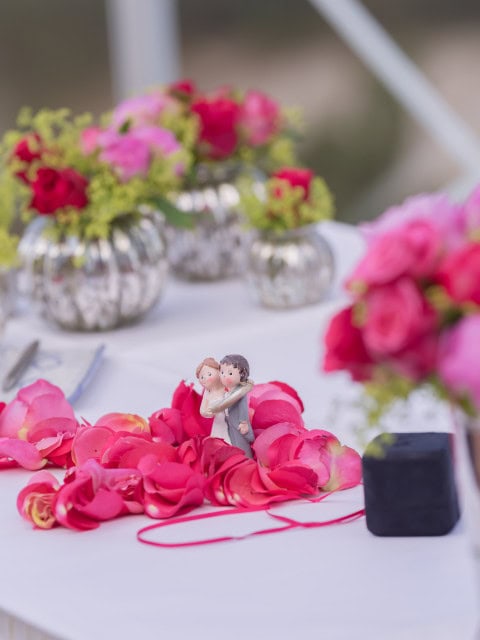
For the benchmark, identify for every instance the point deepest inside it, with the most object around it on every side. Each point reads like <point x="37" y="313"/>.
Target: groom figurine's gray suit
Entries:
<point x="234" y="415"/>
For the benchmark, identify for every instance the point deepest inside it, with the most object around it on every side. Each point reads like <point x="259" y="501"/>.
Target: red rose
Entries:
<point x="345" y="348"/>
<point x="28" y="148"/>
<point x="460" y="274"/>
<point x="53" y="189"/>
<point x="218" y="121"/>
<point x="184" y="89"/>
<point x="296" y="178"/>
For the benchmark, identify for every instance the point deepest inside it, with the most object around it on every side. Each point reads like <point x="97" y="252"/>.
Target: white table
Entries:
<point x="335" y="583"/>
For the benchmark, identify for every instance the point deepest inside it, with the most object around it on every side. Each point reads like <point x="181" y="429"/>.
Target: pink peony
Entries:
<point x="259" y="118"/>
<point x="435" y="209"/>
<point x="458" y="359"/>
<point x="396" y="316"/>
<point x="41" y="416"/>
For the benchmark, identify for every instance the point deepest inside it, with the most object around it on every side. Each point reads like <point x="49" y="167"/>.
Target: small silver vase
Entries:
<point x="216" y="246"/>
<point x="91" y="285"/>
<point x="290" y="269"/>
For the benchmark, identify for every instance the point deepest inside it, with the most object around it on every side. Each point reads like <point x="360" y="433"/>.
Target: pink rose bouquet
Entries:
<point x="223" y="125"/>
<point x="85" y="178"/>
<point x="415" y="311"/>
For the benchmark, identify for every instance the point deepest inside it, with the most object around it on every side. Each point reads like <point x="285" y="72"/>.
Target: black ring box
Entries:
<point x="409" y="484"/>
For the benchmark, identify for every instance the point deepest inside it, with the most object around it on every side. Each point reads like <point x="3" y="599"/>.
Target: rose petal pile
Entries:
<point x="168" y="464"/>
<point x="416" y="301"/>
<point x="37" y="427"/>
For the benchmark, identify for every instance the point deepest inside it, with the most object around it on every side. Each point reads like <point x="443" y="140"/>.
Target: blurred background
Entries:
<point x="357" y="136"/>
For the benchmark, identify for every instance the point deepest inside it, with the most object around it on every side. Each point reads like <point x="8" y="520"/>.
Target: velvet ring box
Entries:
<point x="409" y="484"/>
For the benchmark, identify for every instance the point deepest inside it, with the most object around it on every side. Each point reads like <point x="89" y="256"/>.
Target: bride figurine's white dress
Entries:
<point x="219" y="426"/>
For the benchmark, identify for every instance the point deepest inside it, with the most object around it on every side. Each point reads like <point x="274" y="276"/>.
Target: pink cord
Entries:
<point x="290" y="523"/>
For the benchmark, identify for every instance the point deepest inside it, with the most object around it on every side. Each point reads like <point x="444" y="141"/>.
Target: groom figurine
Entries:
<point x="234" y="372"/>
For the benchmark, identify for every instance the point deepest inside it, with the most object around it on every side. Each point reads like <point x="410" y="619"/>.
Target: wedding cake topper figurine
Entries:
<point x="226" y="385"/>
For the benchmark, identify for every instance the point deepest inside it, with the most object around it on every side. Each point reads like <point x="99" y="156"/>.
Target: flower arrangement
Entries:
<point x="226" y="125"/>
<point x="292" y="197"/>
<point x="415" y="314"/>
<point x="85" y="178"/>
<point x="125" y="464"/>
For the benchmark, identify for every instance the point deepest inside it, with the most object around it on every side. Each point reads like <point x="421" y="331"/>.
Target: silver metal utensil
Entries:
<point x="24" y="359"/>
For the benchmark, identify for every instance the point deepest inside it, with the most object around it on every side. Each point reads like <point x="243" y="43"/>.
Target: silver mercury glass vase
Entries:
<point x="290" y="269"/>
<point x="91" y="285"/>
<point x="216" y="246"/>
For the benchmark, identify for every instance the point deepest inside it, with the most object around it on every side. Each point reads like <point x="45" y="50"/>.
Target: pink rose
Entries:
<point x="413" y="249"/>
<point x="459" y="274"/>
<point x="89" y="140"/>
<point x="36" y="502"/>
<point x="170" y="488"/>
<point x="126" y="153"/>
<point x="160" y="141"/>
<point x="396" y="316"/>
<point x="471" y="212"/>
<point x="418" y="360"/>
<point x="140" y="110"/>
<point x="259" y="118"/>
<point x="345" y="347"/>
<point x="458" y="359"/>
<point x="436" y="209"/>
<point x="41" y="415"/>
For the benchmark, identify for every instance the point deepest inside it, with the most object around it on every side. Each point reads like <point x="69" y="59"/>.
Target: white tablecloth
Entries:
<point x="336" y="583"/>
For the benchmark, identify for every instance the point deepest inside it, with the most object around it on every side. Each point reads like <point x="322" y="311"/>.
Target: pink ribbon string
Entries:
<point x="289" y="523"/>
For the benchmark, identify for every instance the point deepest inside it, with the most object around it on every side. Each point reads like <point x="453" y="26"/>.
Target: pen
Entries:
<point x="13" y="376"/>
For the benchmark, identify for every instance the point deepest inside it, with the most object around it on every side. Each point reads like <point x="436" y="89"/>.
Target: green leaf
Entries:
<point x="173" y="215"/>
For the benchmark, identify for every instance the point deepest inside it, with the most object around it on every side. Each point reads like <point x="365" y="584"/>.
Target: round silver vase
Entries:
<point x="92" y="285"/>
<point x="290" y="269"/>
<point x="216" y="245"/>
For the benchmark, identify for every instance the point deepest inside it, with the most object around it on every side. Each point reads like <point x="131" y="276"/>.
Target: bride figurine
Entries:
<point x="224" y="399"/>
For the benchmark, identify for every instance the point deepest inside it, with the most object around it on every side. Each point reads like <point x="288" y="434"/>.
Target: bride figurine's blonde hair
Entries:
<point x="208" y="362"/>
